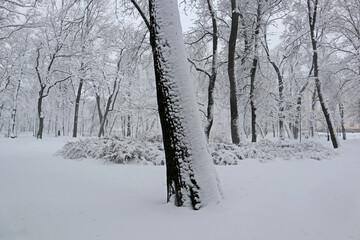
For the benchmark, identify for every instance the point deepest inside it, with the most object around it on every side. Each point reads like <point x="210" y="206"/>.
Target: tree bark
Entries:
<point x="253" y="73"/>
<point x="40" y="113"/>
<point x="77" y="104"/>
<point x="342" y="115"/>
<point x="212" y="80"/>
<point x="234" y="114"/>
<point x="191" y="177"/>
<point x="252" y="104"/>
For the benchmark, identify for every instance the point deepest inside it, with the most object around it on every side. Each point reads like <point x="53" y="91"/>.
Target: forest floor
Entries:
<point x="46" y="197"/>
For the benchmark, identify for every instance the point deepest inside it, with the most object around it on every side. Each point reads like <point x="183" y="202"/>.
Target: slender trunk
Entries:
<point x="297" y="118"/>
<point x="341" y="110"/>
<point x="128" y="126"/>
<point x="14" y="110"/>
<point x="40" y="113"/>
<point x="212" y="80"/>
<point x="253" y="73"/>
<point x="312" y="116"/>
<point x="280" y="89"/>
<point x="98" y="105"/>
<point x="92" y="121"/>
<point x="323" y="104"/>
<point x="273" y="129"/>
<point x="234" y="115"/>
<point x="77" y="104"/>
<point x="252" y="104"/>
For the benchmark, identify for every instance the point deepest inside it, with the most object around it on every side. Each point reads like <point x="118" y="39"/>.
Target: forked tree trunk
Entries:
<point x="191" y="177"/>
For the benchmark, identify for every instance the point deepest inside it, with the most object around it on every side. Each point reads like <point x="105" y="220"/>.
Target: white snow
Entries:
<point x="44" y="197"/>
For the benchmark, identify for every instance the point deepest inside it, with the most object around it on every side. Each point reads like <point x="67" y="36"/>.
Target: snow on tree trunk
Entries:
<point x="191" y="176"/>
<point x="214" y="66"/>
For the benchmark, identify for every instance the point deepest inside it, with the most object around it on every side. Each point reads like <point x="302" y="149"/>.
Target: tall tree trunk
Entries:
<point x="312" y="12"/>
<point x="212" y="80"/>
<point x="77" y="104"/>
<point x="253" y="73"/>
<point x="234" y="114"/>
<point x="191" y="177"/>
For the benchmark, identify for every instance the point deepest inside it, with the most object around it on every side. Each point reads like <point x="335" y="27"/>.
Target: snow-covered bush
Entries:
<point x="125" y="150"/>
<point x="118" y="150"/>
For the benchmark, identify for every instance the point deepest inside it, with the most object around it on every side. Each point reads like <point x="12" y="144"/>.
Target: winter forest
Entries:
<point x="246" y="110"/>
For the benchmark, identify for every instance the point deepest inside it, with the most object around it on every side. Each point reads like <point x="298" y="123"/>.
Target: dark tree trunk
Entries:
<point x="212" y="80"/>
<point x="341" y="110"/>
<point x="128" y="126"/>
<point x="253" y="73"/>
<point x="312" y="117"/>
<point x="40" y="113"/>
<point x="77" y="104"/>
<point x="252" y="104"/>
<point x="234" y="114"/>
<point x="312" y="12"/>
<point x="297" y="118"/>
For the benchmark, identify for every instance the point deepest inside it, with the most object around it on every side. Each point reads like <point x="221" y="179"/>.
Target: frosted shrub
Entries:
<point x="115" y="150"/>
<point x="125" y="150"/>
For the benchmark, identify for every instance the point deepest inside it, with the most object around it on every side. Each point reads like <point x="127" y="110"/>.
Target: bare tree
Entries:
<point x="312" y="8"/>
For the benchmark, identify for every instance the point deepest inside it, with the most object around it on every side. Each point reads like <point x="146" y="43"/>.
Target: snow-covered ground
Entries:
<point x="46" y="197"/>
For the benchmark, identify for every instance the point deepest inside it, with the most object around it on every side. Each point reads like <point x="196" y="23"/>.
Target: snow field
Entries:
<point x="44" y="197"/>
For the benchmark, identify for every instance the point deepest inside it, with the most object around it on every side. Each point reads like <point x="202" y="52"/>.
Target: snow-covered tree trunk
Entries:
<point x="191" y="176"/>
